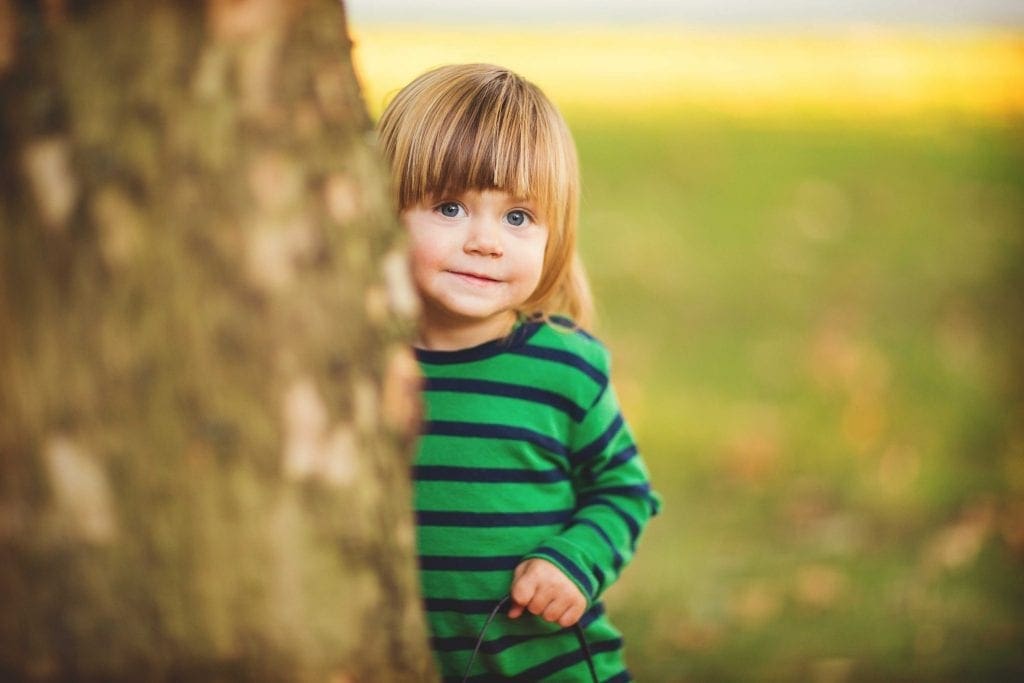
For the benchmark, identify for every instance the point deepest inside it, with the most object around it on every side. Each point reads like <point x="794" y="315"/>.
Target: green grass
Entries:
<point x="815" y="335"/>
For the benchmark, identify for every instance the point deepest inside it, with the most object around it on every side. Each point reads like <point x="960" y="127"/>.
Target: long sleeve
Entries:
<point x="614" y="499"/>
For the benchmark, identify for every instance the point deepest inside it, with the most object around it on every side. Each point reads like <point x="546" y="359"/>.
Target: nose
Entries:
<point x="483" y="238"/>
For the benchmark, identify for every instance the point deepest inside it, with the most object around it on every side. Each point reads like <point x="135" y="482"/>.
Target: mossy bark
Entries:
<point x="196" y="478"/>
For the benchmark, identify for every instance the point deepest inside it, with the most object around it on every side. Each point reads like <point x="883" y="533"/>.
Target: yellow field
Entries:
<point x="847" y="72"/>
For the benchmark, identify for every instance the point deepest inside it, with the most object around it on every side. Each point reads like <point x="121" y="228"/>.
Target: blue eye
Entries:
<point x="449" y="209"/>
<point x="517" y="218"/>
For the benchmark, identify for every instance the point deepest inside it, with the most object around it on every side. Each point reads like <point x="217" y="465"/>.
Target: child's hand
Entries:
<point x="401" y="402"/>
<point x="542" y="588"/>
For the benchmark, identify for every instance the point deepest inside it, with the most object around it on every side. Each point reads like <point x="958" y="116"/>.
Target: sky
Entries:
<point x="713" y="12"/>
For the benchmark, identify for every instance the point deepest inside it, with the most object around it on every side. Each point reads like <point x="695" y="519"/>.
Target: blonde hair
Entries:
<point x="480" y="127"/>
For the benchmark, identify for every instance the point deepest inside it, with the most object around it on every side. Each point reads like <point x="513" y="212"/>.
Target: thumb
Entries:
<point x="515" y="609"/>
<point x="521" y="592"/>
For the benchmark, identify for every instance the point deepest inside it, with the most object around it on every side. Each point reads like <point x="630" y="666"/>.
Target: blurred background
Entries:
<point x="804" y="223"/>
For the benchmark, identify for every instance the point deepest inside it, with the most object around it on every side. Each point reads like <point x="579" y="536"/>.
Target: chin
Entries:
<point x="470" y="309"/>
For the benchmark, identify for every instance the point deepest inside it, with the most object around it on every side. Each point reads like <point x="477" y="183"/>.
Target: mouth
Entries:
<point x="474" y="278"/>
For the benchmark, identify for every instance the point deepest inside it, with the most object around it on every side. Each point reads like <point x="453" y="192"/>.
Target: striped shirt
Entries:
<point x="524" y="453"/>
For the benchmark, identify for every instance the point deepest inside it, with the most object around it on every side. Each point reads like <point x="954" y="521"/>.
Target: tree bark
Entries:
<point x="203" y="457"/>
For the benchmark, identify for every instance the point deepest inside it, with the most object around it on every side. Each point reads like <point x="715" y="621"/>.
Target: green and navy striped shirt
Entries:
<point x="524" y="453"/>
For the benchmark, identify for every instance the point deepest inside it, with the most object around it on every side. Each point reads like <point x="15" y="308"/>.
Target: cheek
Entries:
<point x="538" y="268"/>
<point x="540" y="258"/>
<point x="421" y="258"/>
<point x="426" y="257"/>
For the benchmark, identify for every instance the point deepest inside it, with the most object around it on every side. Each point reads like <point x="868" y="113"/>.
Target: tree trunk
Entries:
<point x="203" y="472"/>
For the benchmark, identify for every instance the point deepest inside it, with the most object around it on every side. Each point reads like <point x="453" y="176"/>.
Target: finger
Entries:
<point x="540" y="601"/>
<point x="571" y="616"/>
<point x="523" y="590"/>
<point x="555" y="609"/>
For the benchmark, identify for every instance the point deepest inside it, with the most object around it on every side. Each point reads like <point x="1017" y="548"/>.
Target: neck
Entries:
<point x="452" y="335"/>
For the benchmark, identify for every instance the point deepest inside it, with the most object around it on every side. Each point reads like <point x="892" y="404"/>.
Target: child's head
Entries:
<point x="477" y="127"/>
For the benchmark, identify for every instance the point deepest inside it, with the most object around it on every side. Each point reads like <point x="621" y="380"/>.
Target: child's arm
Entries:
<point x="614" y="503"/>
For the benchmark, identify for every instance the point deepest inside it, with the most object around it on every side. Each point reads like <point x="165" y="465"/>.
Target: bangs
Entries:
<point x="501" y="134"/>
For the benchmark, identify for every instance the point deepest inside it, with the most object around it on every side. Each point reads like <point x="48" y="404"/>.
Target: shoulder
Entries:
<point x="565" y="333"/>
<point x="561" y="340"/>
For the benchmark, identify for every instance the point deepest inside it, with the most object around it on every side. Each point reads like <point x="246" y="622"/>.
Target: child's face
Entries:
<point x="476" y="257"/>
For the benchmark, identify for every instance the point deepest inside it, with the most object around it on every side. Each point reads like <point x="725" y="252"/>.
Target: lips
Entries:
<point x="478" y="279"/>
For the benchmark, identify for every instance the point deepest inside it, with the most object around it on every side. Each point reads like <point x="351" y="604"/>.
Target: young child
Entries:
<point x="527" y="479"/>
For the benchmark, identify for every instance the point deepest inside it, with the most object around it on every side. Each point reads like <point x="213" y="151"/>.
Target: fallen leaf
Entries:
<point x="820" y="586"/>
